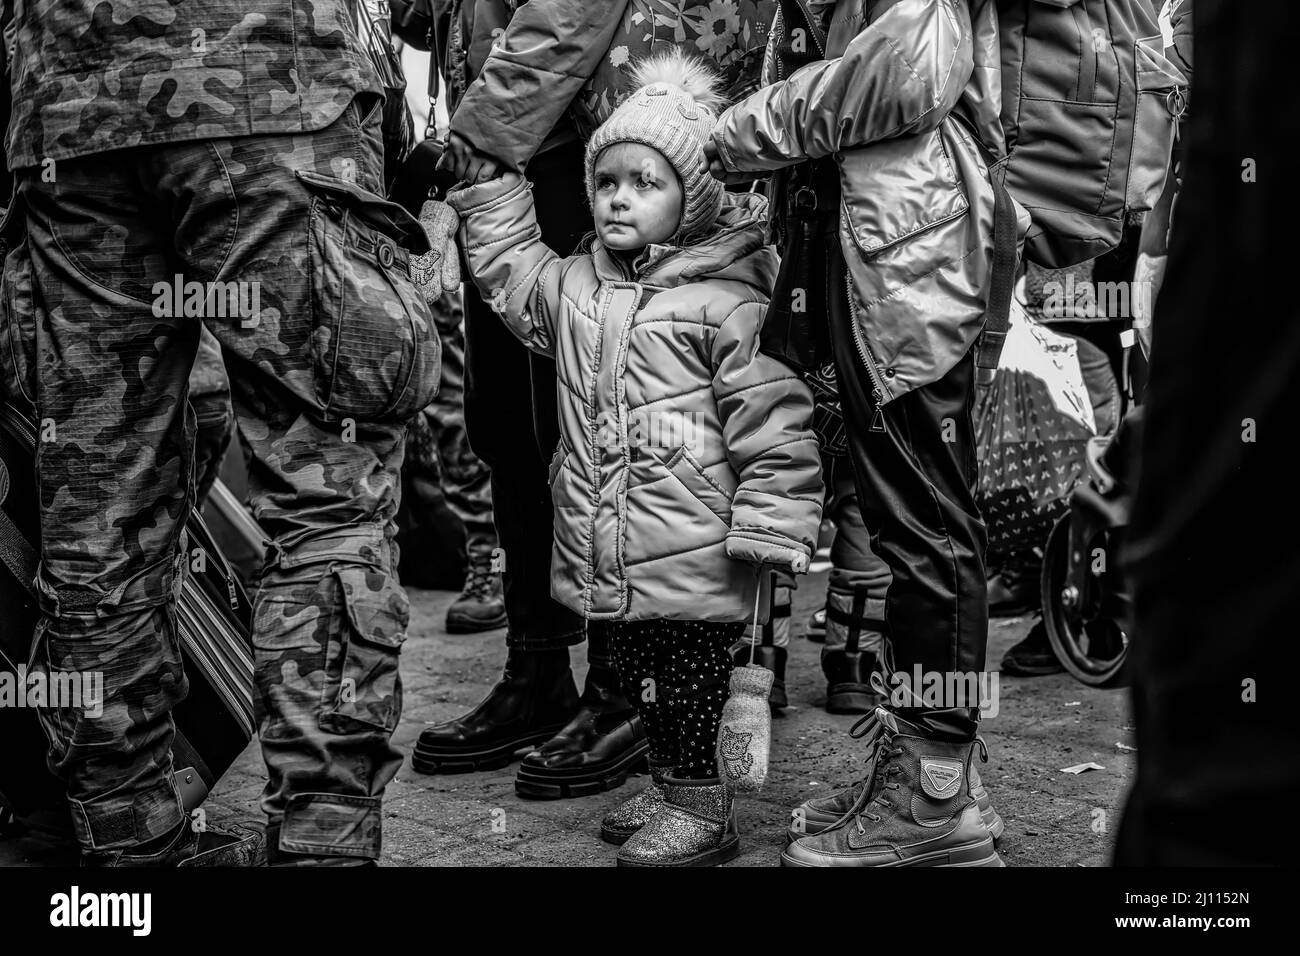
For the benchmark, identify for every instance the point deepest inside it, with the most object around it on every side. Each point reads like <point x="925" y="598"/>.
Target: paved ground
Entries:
<point x="1043" y="725"/>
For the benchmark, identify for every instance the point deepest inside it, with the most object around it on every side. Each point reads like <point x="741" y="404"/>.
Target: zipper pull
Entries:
<point x="234" y="598"/>
<point x="878" y="416"/>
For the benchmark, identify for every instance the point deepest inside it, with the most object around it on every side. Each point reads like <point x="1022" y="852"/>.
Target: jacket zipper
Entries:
<point x="785" y="28"/>
<point x="812" y="30"/>
<point x="878" y="385"/>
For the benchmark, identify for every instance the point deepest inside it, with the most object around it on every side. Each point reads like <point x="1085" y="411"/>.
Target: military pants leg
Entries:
<point x="113" y="469"/>
<point x="330" y="616"/>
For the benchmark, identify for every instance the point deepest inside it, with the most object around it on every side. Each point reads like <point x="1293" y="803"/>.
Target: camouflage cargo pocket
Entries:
<point x="374" y="348"/>
<point x="362" y="683"/>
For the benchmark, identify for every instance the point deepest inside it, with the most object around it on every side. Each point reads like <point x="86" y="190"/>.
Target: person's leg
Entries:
<point x="509" y="395"/>
<point x="915" y="477"/>
<point x="330" y="616"/>
<point x="513" y="420"/>
<point x="697" y="664"/>
<point x="695" y="825"/>
<point x="466" y="482"/>
<point x="113" y="466"/>
<point x="855" y="601"/>
<point x="636" y="655"/>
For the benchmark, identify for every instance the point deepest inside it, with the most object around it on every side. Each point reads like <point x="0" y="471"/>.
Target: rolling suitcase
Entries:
<point x="213" y="724"/>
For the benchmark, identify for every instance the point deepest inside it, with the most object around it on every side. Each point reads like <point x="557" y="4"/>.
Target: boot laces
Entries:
<point x="478" y="582"/>
<point x="880" y="768"/>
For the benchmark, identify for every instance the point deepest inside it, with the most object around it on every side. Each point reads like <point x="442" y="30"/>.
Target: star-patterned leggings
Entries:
<point x="676" y="674"/>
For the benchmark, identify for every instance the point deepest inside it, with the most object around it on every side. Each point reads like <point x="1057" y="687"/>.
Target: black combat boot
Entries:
<point x="848" y="668"/>
<point x="534" y="698"/>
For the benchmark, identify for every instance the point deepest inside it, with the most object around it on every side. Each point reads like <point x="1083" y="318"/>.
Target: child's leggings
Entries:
<point x="676" y="673"/>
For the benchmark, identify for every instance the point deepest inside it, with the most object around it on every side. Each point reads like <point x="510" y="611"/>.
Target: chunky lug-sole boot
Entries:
<point x="696" y="826"/>
<point x="534" y="700"/>
<point x="916" y="809"/>
<point x="598" y="749"/>
<point x="631" y="815"/>
<point x="813" y="816"/>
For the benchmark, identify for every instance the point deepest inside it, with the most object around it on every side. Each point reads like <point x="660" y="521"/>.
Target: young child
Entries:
<point x="686" y="457"/>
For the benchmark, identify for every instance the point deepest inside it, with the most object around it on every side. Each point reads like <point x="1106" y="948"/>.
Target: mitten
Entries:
<point x="745" y="732"/>
<point x="437" y="272"/>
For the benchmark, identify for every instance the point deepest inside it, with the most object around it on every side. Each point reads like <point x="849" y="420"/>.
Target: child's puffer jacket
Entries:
<point x="686" y="454"/>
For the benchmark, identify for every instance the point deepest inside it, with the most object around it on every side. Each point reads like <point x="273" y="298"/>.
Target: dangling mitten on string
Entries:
<point x="745" y="731"/>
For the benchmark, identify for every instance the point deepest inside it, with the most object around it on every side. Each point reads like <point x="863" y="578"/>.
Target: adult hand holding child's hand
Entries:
<point x="467" y="163"/>
<point x="718" y="171"/>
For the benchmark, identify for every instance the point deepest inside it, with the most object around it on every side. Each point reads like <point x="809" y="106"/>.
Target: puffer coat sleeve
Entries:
<point x="536" y="68"/>
<point x="517" y="273"/>
<point x="902" y="74"/>
<point x="766" y="412"/>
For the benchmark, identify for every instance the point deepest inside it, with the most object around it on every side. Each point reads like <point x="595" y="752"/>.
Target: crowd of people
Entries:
<point x="727" y="273"/>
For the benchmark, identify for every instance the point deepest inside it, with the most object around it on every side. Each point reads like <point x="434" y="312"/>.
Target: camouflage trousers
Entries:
<point x="324" y="371"/>
<point x="466" y="482"/>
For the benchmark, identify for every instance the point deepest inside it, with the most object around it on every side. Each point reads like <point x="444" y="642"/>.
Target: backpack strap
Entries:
<point x="997" y="315"/>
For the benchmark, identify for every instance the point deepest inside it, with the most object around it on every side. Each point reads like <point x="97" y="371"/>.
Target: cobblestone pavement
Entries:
<point x="1043" y="725"/>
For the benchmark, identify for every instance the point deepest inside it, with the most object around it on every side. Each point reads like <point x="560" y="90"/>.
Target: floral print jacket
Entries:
<point x="731" y="34"/>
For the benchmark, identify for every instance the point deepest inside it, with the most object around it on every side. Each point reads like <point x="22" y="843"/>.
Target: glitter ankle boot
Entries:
<point x="634" y="813"/>
<point x="696" y="826"/>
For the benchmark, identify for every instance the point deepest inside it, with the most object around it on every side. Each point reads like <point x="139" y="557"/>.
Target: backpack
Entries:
<point x="1089" y="108"/>
<point x="730" y="36"/>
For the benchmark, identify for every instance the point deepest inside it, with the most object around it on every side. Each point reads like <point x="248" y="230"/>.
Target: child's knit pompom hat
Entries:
<point x="673" y="111"/>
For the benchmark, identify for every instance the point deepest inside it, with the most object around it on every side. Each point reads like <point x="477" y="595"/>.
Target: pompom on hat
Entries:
<point x="673" y="111"/>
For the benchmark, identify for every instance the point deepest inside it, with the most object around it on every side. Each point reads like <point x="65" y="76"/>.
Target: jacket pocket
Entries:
<point x="683" y="466"/>
<point x="374" y="349"/>
<point x="362" y="684"/>
<point x="1160" y="92"/>
<point x="894" y="189"/>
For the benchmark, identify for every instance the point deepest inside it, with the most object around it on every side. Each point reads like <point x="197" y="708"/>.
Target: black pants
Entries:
<point x="1212" y="550"/>
<point x="915" y="481"/>
<point x="676" y="673"/>
<point x="512" y="421"/>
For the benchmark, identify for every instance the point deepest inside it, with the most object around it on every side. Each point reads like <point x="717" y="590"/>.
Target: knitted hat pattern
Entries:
<point x="673" y="111"/>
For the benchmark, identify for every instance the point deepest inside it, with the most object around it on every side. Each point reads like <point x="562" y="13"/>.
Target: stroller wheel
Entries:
<point x="1093" y="648"/>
